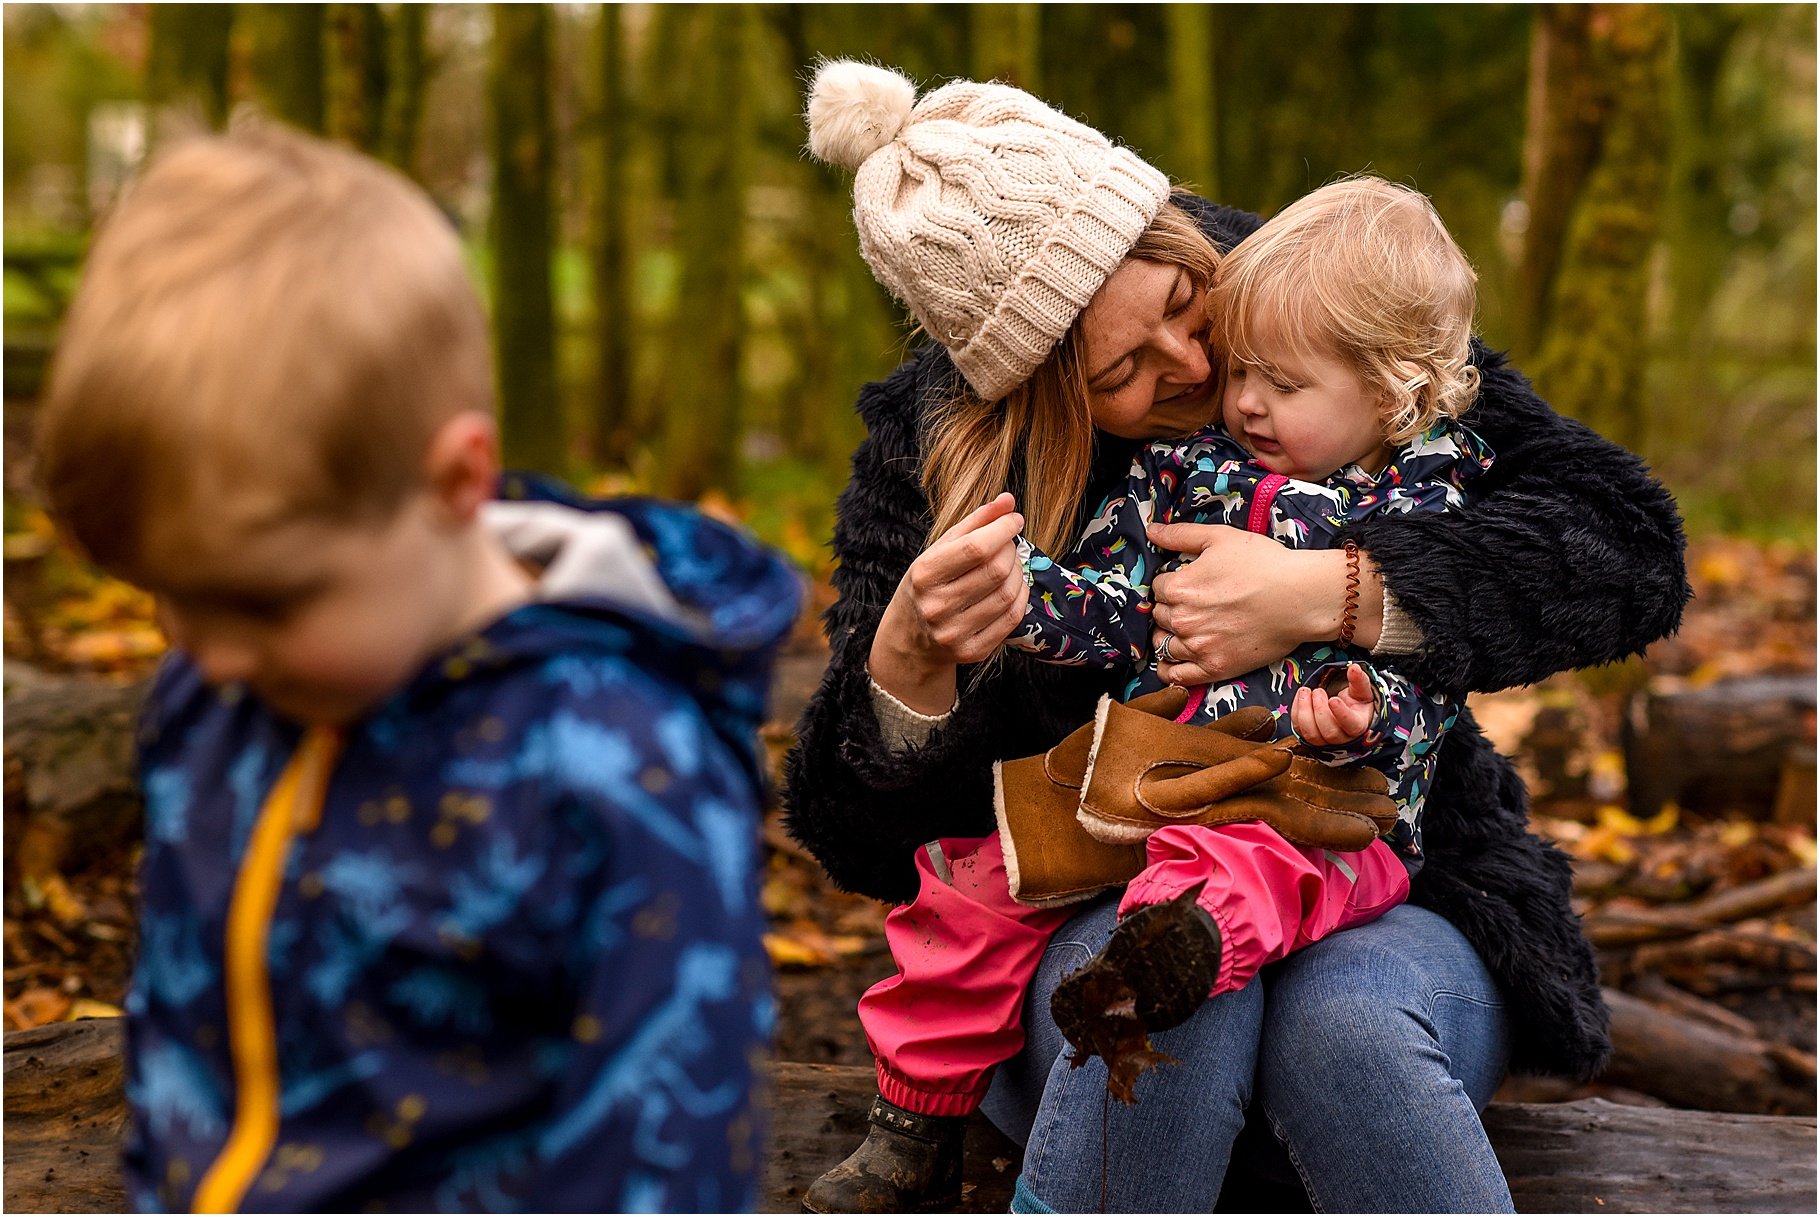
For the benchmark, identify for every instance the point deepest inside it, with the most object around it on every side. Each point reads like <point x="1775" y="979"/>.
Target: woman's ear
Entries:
<point x="461" y="466"/>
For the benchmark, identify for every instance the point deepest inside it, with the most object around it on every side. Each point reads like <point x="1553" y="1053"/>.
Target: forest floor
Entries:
<point x="69" y="933"/>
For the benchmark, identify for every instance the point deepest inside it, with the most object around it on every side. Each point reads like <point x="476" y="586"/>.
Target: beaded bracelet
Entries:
<point x="1349" y="616"/>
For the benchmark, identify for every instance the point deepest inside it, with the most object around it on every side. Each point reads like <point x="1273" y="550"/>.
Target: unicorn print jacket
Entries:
<point x="1093" y="607"/>
<point x="497" y="945"/>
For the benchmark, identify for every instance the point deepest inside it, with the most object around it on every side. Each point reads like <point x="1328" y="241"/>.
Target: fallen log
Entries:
<point x="64" y="1116"/>
<point x="1635" y="926"/>
<point x="1778" y="891"/>
<point x="1658" y="992"/>
<point x="69" y="769"/>
<point x="1696" y="1065"/>
<point x="1759" y="950"/>
<point x="1596" y="1157"/>
<point x="1721" y="748"/>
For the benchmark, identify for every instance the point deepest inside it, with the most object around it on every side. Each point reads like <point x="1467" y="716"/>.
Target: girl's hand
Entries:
<point x="958" y="602"/>
<point x="1246" y="601"/>
<point x="1327" y="721"/>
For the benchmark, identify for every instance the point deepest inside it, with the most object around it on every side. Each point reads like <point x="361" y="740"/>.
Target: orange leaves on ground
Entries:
<point x="63" y="613"/>
<point x="1753" y="612"/>
<point x="813" y="924"/>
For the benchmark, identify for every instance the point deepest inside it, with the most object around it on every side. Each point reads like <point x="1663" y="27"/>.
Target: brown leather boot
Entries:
<point x="1146" y="773"/>
<point x="908" y="1163"/>
<point x="1049" y="858"/>
<point x="1153" y="973"/>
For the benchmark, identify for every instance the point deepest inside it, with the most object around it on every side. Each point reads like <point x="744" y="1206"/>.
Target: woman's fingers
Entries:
<point x="980" y="645"/>
<point x="1003" y="505"/>
<point x="1237" y="606"/>
<point x="1162" y="618"/>
<point x="1187" y="674"/>
<point x="1188" y="540"/>
<point x="983" y="603"/>
<point x="958" y="553"/>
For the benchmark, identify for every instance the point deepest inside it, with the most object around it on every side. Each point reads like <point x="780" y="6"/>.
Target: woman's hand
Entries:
<point x="958" y="602"/>
<point x="1246" y="601"/>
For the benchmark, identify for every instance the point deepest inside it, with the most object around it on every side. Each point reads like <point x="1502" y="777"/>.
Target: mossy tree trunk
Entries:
<point x="1594" y="344"/>
<point x="614" y="319"/>
<point x="404" y="82"/>
<point x="186" y="66"/>
<point x="846" y="318"/>
<point x="1561" y="141"/>
<point x="1191" y="97"/>
<point x="286" y="49"/>
<point x="1007" y="42"/>
<point x="1701" y="204"/>
<point x="522" y="233"/>
<point x="355" y="71"/>
<point x="701" y="419"/>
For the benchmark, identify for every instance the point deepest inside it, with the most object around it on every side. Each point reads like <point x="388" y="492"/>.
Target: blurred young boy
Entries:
<point x="448" y="892"/>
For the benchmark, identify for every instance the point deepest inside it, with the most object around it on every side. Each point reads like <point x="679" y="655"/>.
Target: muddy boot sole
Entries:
<point x="1153" y="973"/>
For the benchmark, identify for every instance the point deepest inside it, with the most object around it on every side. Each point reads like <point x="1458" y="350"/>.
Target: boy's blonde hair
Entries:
<point x="265" y="315"/>
<point x="1363" y="268"/>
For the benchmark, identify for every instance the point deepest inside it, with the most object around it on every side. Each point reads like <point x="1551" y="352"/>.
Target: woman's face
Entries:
<point x="1144" y="338"/>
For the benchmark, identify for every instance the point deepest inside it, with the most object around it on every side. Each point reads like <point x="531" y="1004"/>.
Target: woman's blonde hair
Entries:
<point x="1037" y="440"/>
<point x="1363" y="268"/>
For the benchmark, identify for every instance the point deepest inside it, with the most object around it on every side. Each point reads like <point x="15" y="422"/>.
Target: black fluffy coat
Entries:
<point x="1573" y="557"/>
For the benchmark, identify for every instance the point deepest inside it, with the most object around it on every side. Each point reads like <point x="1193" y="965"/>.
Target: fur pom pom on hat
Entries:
<point x="993" y="217"/>
<point x="855" y="109"/>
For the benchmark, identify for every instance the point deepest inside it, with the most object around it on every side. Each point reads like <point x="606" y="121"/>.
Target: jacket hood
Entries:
<point x="690" y="598"/>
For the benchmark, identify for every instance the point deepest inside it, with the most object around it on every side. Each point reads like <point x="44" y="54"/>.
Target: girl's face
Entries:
<point x="1305" y="416"/>
<point x="1144" y="343"/>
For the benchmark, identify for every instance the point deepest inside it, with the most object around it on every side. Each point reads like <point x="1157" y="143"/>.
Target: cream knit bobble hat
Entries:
<point x="992" y="216"/>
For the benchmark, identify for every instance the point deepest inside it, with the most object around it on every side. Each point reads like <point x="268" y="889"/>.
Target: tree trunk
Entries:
<point x="356" y="74"/>
<point x="1007" y="44"/>
<point x="523" y="308"/>
<point x="287" y="69"/>
<point x="701" y="448"/>
<point x="1594" y="345"/>
<point x="1719" y="749"/>
<point x="186" y="64"/>
<point x="403" y="111"/>
<point x="1566" y="114"/>
<point x="1191" y="97"/>
<point x="841" y="311"/>
<point x="614" y="318"/>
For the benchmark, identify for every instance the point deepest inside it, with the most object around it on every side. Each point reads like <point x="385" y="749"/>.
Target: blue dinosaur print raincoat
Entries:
<point x="1093" y="608"/>
<point x="505" y="953"/>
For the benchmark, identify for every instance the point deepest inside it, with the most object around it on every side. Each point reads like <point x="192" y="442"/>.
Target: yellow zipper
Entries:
<point x="295" y="804"/>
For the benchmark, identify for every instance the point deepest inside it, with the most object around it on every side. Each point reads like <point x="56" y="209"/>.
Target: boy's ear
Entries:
<point x="461" y="466"/>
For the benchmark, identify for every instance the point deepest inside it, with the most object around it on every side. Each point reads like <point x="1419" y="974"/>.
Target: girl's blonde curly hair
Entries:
<point x="1363" y="268"/>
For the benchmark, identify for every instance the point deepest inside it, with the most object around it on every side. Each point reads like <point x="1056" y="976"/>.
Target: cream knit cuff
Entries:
<point x="898" y="725"/>
<point x="1400" y="635"/>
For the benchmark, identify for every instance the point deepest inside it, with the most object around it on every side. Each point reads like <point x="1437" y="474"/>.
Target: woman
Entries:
<point x="1048" y="265"/>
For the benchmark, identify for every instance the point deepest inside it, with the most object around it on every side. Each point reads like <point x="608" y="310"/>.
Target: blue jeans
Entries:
<point x="1384" y="1042"/>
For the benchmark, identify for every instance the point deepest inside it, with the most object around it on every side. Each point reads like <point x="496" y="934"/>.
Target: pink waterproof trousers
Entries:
<point x="966" y="951"/>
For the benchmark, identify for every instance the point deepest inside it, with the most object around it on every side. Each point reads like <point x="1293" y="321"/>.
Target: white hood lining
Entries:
<point x="591" y="555"/>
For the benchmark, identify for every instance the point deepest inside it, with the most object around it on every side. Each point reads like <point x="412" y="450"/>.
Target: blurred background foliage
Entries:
<point x="681" y="307"/>
<point x="680" y="302"/>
